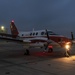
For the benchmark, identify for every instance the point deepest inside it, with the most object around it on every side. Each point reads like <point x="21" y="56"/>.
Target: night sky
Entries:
<point x="56" y="15"/>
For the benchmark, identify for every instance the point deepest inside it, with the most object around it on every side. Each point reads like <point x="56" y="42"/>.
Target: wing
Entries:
<point x="7" y="35"/>
<point x="9" y="39"/>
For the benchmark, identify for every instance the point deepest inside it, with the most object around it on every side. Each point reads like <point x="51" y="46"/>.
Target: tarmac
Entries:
<point x="14" y="62"/>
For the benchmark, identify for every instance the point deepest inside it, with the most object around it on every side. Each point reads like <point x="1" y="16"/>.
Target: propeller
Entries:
<point x="47" y="34"/>
<point x="72" y="37"/>
<point x="48" y="40"/>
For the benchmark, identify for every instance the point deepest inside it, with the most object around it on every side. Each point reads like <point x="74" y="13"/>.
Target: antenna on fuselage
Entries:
<point x="33" y="29"/>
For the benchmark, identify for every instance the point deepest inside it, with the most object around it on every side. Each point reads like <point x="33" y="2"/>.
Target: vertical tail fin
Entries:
<point x="14" y="30"/>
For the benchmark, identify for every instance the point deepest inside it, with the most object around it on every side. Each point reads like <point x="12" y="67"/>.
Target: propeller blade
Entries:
<point x="47" y="34"/>
<point x="47" y="40"/>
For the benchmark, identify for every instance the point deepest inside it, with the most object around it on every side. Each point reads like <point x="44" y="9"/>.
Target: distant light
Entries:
<point x="2" y="28"/>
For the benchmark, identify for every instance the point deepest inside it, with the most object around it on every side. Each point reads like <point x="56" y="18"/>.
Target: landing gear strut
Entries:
<point x="67" y="53"/>
<point x="27" y="52"/>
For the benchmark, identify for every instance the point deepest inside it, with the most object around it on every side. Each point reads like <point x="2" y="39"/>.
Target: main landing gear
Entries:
<point x="50" y="48"/>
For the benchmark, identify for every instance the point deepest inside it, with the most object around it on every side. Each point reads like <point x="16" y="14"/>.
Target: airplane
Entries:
<point x="38" y="38"/>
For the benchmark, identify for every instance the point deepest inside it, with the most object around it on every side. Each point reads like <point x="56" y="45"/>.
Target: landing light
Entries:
<point x="67" y="46"/>
<point x="2" y="28"/>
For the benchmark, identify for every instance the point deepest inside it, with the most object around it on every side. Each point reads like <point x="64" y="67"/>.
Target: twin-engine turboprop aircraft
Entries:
<point x="39" y="38"/>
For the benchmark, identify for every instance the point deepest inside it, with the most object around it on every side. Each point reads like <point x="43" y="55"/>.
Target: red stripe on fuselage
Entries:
<point x="61" y="40"/>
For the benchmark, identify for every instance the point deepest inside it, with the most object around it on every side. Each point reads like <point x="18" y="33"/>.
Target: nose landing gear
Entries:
<point x="67" y="53"/>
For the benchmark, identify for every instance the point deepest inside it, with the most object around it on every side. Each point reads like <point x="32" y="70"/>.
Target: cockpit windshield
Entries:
<point x="51" y="33"/>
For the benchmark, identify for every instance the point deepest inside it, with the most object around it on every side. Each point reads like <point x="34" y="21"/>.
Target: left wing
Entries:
<point x="14" y="40"/>
<point x="7" y="35"/>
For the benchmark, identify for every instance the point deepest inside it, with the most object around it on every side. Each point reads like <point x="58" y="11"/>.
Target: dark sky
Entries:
<point x="56" y="15"/>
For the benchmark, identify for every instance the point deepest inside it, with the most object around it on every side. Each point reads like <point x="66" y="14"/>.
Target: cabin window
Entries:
<point x="42" y="33"/>
<point x="33" y="33"/>
<point x="36" y="33"/>
<point x="30" y="34"/>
